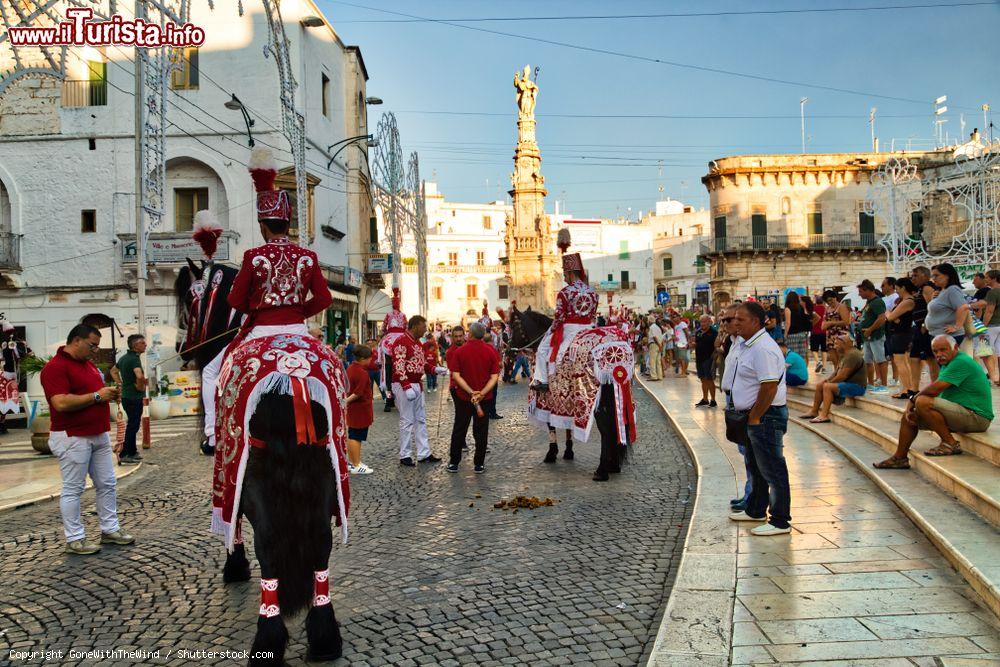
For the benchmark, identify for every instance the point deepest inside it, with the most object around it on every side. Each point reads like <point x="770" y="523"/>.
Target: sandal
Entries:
<point x="892" y="463"/>
<point x="905" y="395"/>
<point x="944" y="449"/>
<point x="808" y="415"/>
<point x="817" y="420"/>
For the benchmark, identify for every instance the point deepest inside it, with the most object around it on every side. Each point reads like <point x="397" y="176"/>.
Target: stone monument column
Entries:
<point x="533" y="267"/>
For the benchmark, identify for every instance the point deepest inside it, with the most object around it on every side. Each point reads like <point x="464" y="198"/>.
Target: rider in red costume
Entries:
<point x="274" y="283"/>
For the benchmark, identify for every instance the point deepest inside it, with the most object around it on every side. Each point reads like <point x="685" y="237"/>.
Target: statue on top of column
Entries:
<point x="527" y="90"/>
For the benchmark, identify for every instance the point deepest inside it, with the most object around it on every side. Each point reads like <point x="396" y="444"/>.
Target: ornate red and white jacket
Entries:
<point x="274" y="284"/>
<point x="576" y="304"/>
<point x="409" y="363"/>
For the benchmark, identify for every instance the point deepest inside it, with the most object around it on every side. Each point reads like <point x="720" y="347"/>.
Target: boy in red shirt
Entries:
<point x="359" y="408"/>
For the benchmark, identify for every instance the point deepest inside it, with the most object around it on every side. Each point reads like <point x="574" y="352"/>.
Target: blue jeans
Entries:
<point x="767" y="466"/>
<point x="432" y="380"/>
<point x="520" y="363"/>
<point x="133" y="411"/>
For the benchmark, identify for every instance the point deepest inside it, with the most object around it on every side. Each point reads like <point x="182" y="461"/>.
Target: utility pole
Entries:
<point x="140" y="228"/>
<point x="802" y="114"/>
<point x="871" y="121"/>
<point x="986" y="125"/>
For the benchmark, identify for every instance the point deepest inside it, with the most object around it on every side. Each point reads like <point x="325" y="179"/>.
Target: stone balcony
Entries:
<point x="767" y="243"/>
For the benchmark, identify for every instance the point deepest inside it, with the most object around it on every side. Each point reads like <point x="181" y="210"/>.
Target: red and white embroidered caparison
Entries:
<point x="321" y="588"/>
<point x="269" y="598"/>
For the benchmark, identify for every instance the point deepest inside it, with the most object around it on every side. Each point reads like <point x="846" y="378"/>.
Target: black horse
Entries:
<point x="289" y="495"/>
<point x="207" y="323"/>
<point x="527" y="328"/>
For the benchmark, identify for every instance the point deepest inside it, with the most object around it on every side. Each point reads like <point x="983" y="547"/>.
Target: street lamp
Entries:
<point x="373" y="100"/>
<point x="370" y="142"/>
<point x="234" y="104"/>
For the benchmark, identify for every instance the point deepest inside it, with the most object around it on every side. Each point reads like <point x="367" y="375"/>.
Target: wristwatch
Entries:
<point x="97" y="397"/>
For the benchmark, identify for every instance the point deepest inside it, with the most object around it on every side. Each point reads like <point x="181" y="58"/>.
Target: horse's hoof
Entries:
<point x="206" y="448"/>
<point x="268" y="649"/>
<point x="568" y="454"/>
<point x="553" y="453"/>
<point x="601" y="476"/>
<point x="237" y="567"/>
<point x="323" y="634"/>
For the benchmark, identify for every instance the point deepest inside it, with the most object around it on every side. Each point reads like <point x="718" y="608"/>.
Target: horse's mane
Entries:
<point x="540" y="319"/>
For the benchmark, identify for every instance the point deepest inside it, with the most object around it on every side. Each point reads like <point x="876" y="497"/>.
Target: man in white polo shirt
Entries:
<point x="758" y="390"/>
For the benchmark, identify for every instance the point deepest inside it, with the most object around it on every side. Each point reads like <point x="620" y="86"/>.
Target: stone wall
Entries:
<point x="30" y="106"/>
<point x="761" y="273"/>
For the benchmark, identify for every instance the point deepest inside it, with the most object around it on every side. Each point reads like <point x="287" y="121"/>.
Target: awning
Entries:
<point x="343" y="296"/>
<point x="377" y="305"/>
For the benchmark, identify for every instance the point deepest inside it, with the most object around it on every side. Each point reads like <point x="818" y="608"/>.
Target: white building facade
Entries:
<point x="618" y="258"/>
<point x="679" y="270"/>
<point x="67" y="183"/>
<point x="464" y="244"/>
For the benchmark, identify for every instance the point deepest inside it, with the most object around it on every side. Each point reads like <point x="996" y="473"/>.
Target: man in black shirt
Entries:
<point x="704" y="350"/>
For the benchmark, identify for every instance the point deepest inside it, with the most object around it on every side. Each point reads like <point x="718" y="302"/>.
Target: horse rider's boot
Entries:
<point x="601" y="475"/>
<point x="322" y="629"/>
<point x="553" y="453"/>
<point x="237" y="567"/>
<point x="540" y="387"/>
<point x="568" y="452"/>
<point x="268" y="649"/>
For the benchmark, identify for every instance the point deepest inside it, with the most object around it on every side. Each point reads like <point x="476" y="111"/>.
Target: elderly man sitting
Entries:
<point x="849" y="381"/>
<point x="959" y="402"/>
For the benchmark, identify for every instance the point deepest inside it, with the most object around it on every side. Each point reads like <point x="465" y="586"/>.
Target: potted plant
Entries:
<point x="159" y="406"/>
<point x="39" y="420"/>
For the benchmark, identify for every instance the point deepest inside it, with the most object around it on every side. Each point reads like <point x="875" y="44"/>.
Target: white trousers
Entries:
<point x="412" y="423"/>
<point x="79" y="456"/>
<point x="210" y="373"/>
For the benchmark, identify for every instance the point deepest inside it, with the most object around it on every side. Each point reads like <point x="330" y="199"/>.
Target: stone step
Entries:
<point x="982" y="445"/>
<point x="971" y="480"/>
<point x="965" y="538"/>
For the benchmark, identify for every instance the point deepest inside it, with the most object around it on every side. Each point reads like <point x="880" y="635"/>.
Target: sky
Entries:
<point x="451" y="87"/>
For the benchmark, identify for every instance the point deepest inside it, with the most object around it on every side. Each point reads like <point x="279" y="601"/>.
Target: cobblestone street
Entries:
<point x="432" y="575"/>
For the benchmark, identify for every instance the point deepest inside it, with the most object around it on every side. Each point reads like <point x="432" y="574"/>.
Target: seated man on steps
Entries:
<point x="958" y="402"/>
<point x="849" y="381"/>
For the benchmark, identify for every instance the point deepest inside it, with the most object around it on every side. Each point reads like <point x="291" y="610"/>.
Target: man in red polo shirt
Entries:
<point x="475" y="371"/>
<point x="80" y="413"/>
<point x="457" y="341"/>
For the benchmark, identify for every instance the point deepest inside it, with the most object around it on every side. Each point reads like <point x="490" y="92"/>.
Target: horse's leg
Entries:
<point x="553" y="447"/>
<point x="268" y="649"/>
<point x="604" y="416"/>
<point x="322" y="629"/>
<point x="237" y="567"/>
<point x="568" y="451"/>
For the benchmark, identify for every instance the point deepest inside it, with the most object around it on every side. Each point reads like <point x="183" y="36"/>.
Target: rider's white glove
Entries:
<point x="411" y="393"/>
<point x="441" y="370"/>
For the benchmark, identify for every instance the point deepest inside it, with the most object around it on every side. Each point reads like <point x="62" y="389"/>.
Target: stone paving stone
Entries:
<point x="425" y="579"/>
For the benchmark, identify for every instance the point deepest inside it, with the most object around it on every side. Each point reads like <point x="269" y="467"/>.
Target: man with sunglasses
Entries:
<point x="81" y="417"/>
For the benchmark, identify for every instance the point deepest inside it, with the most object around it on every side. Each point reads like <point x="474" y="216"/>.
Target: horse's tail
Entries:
<point x="299" y="497"/>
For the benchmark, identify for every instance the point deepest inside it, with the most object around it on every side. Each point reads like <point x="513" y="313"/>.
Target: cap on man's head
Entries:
<point x="866" y="284"/>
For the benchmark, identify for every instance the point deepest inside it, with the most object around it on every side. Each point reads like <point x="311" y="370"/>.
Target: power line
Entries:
<point x="648" y="59"/>
<point x="444" y="112"/>
<point x="613" y="17"/>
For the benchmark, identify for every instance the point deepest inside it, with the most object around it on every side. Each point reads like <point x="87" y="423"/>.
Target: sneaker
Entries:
<point x="429" y="459"/>
<point x="495" y="416"/>
<point x="479" y="470"/>
<point x="736" y="501"/>
<point x="129" y="460"/>
<point x="82" y="548"/>
<point x="452" y="467"/>
<point x="739" y="507"/>
<point x="767" y="530"/>
<point x="878" y="389"/>
<point x="351" y="470"/>
<point x="713" y="404"/>
<point x="701" y="404"/>
<point x="743" y="516"/>
<point x="361" y="469"/>
<point x="408" y="462"/>
<point x="819" y="367"/>
<point x="117" y="537"/>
